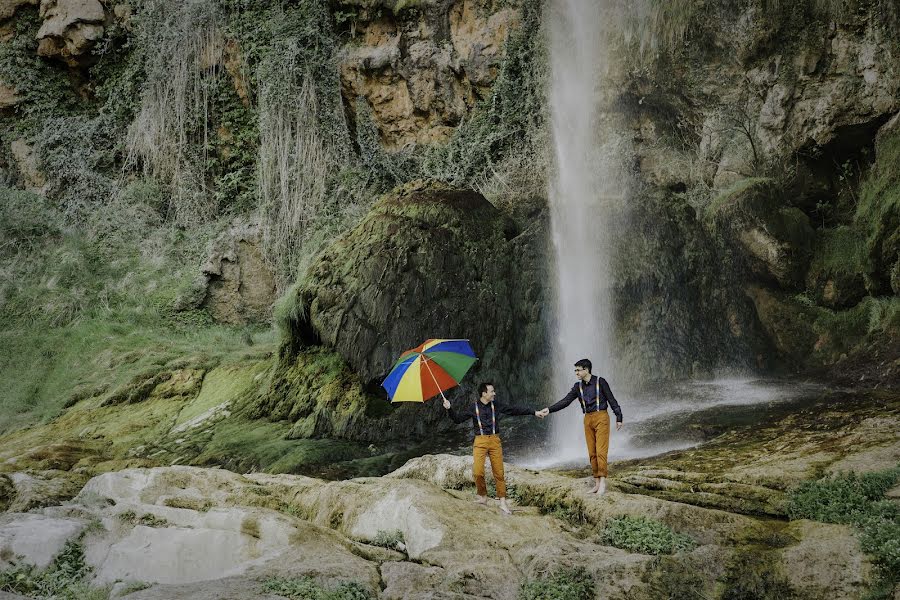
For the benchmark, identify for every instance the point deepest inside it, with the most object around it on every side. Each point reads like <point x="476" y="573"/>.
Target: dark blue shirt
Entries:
<point x="489" y="415"/>
<point x="588" y="398"/>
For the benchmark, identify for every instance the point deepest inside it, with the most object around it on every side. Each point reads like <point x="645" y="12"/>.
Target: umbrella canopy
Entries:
<point x="428" y="370"/>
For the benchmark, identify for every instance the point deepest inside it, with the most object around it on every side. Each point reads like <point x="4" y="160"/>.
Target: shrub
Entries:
<point x="62" y="580"/>
<point x="856" y="500"/>
<point x="840" y="499"/>
<point x="647" y="536"/>
<point x="569" y="584"/>
<point x="389" y="539"/>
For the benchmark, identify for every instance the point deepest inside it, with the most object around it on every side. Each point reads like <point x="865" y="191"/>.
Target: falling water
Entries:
<point x="588" y="182"/>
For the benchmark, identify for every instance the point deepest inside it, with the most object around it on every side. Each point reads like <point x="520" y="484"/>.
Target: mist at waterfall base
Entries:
<point x="661" y="419"/>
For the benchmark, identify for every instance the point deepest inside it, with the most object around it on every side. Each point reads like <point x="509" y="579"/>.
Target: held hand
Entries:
<point x="446" y="404"/>
<point x="542" y="413"/>
<point x="618" y="425"/>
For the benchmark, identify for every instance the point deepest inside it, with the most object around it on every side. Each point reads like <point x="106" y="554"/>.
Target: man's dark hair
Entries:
<point x="584" y="364"/>
<point x="482" y="387"/>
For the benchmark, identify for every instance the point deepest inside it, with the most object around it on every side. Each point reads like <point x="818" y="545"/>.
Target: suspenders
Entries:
<point x="493" y="419"/>
<point x="581" y="396"/>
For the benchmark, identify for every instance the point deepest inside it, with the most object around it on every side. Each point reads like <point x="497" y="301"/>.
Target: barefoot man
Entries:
<point x="594" y="395"/>
<point x="486" y="414"/>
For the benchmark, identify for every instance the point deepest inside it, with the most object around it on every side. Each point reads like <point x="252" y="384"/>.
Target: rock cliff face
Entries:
<point x="765" y="120"/>
<point x="421" y="67"/>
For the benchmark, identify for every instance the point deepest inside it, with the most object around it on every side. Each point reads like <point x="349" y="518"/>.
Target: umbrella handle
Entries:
<point x="425" y="360"/>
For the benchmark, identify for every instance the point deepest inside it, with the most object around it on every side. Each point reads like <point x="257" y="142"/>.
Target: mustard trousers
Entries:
<point x="596" y="434"/>
<point x="488" y="446"/>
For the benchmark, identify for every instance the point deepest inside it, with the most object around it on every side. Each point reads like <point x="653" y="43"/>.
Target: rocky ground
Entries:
<point x="189" y="532"/>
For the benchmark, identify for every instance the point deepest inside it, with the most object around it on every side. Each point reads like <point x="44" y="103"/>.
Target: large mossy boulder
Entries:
<point x="771" y="238"/>
<point x="429" y="262"/>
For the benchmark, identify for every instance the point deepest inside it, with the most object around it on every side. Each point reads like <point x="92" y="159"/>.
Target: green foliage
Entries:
<point x="568" y="584"/>
<point x="43" y="85"/>
<point x="878" y="212"/>
<point x="26" y="219"/>
<point x="508" y="121"/>
<point x="62" y="580"/>
<point x="388" y="539"/>
<point x="838" y="251"/>
<point x="856" y="500"/>
<point x="842" y="498"/>
<point x="134" y="586"/>
<point x="647" y="536"/>
<point x="306" y="588"/>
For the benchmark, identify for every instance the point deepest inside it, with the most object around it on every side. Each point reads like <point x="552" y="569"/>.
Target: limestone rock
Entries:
<point x="70" y="29"/>
<point x="34" y="539"/>
<point x="26" y="161"/>
<point x="827" y="561"/>
<point x="240" y="285"/>
<point x="8" y="96"/>
<point x="422" y="72"/>
<point x="8" y="7"/>
<point x="43" y="488"/>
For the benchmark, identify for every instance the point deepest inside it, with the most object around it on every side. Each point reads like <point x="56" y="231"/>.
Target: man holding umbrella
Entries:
<point x="437" y="365"/>
<point x="486" y="414"/>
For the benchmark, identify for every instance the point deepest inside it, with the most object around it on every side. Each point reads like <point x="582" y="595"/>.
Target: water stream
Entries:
<point x="588" y="181"/>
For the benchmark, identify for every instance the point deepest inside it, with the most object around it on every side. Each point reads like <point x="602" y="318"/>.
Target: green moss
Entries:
<point x="753" y="194"/>
<point x="754" y="574"/>
<point x="306" y="588"/>
<point x="838" y="252"/>
<point x="566" y="584"/>
<point x="814" y="336"/>
<point x="878" y="211"/>
<point x="674" y="578"/>
<point x="245" y="446"/>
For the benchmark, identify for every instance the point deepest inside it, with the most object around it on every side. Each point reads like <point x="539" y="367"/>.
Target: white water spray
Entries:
<point x="588" y="182"/>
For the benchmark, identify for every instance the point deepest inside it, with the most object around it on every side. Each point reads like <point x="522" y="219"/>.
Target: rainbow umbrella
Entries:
<point x="428" y="370"/>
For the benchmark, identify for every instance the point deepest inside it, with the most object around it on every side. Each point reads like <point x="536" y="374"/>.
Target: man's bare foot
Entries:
<point x="504" y="507"/>
<point x="601" y="487"/>
<point x="480" y="500"/>
<point x="593" y="490"/>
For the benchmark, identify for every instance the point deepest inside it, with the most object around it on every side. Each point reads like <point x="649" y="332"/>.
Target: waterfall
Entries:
<point x="587" y="182"/>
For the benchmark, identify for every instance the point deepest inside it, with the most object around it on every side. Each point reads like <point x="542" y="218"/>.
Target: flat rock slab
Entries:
<point x="35" y="539"/>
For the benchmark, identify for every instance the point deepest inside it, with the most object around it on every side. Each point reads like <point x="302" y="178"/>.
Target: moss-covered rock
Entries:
<point x="771" y="239"/>
<point x="428" y="262"/>
<point x="813" y="337"/>
<point x="878" y="211"/>
<point x="679" y="310"/>
<point x="837" y="273"/>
